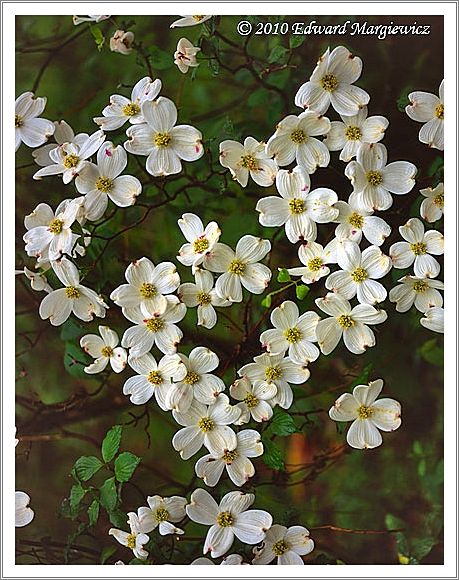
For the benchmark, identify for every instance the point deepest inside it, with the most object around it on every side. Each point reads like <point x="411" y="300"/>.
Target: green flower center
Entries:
<point x="107" y="351"/>
<point x="298" y="136"/>
<point x="296" y="205"/>
<point x="280" y="547"/>
<point x="364" y="412"/>
<point x="131" y="109"/>
<point x="251" y="401"/>
<point x="359" y="274"/>
<point x="237" y="267"/>
<point x="329" y="83"/>
<point x="293" y="335"/>
<point x="56" y="226"/>
<point x="70" y="161"/>
<point x="353" y="133"/>
<point x="203" y="298"/>
<point x="18" y="122"/>
<point x="104" y="184"/>
<point x="273" y="373"/>
<point x="225" y="519"/>
<point x="131" y="541"/>
<point x="162" y="515"/>
<point x="72" y="292"/>
<point x="440" y="111"/>
<point x="315" y="264"/>
<point x="206" y="424"/>
<point x="345" y="321"/>
<point x="200" y="245"/>
<point x="162" y="139"/>
<point x="154" y="324"/>
<point x="439" y="200"/>
<point x="356" y="220"/>
<point x="229" y="456"/>
<point x="374" y="178"/>
<point x="148" y="290"/>
<point x="420" y="286"/>
<point x="419" y="248"/>
<point x="155" y="377"/>
<point x="249" y="162"/>
<point x="191" y="378"/>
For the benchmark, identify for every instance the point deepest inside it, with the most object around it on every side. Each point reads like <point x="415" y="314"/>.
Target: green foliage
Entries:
<point x="301" y="291"/>
<point x="160" y="59"/>
<point x="279" y="54"/>
<point x="281" y="424"/>
<point x="99" y="38"/>
<point x="125" y="465"/>
<point x="432" y="352"/>
<point x="108" y="494"/>
<point x="74" y="360"/>
<point x="93" y="512"/>
<point x="283" y="275"/>
<point x="273" y="456"/>
<point x="111" y="443"/>
<point x="86" y="467"/>
<point x="403" y="100"/>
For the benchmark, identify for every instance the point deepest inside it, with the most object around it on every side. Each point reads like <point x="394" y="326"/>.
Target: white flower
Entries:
<point x="79" y="19"/>
<point x="122" y="42"/>
<point x="204" y="296"/>
<point x="314" y="257"/>
<point x="189" y="21"/>
<point x="135" y="540"/>
<point x="185" y="55"/>
<point x="228" y="519"/>
<point x="240" y="267"/>
<point x="429" y="109"/>
<point x="347" y="136"/>
<point x="332" y="82"/>
<point x="70" y="158"/>
<point x="63" y="133"/>
<point x="355" y="221"/>
<point x="122" y="109"/>
<point x="368" y="414"/>
<point x="349" y="323"/>
<point x="255" y="399"/>
<point x="164" y="143"/>
<point x="29" y="128"/>
<point x="152" y="327"/>
<point x="201" y="241"/>
<point x="153" y="378"/>
<point x="422" y="292"/>
<point x="38" y="280"/>
<point x="59" y="304"/>
<point x="374" y="181"/>
<point x="231" y="560"/>
<point x="277" y="370"/>
<point x="288" y="545"/>
<point x="292" y="332"/>
<point x="23" y="514"/>
<point x="104" y="350"/>
<point x="417" y="249"/>
<point x="298" y="208"/>
<point x="434" y="319"/>
<point x="161" y="512"/>
<point x="146" y="287"/>
<point x="197" y="383"/>
<point x="238" y="465"/>
<point x="432" y="207"/>
<point x="295" y="139"/>
<point x="359" y="273"/>
<point x="248" y="159"/>
<point x="100" y="182"/>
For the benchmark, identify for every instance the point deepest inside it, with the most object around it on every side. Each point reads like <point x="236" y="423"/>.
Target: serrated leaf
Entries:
<point x="111" y="443"/>
<point x="77" y="493"/>
<point x="272" y="455"/>
<point x="301" y="291"/>
<point x="125" y="465"/>
<point x="266" y="302"/>
<point x="283" y="275"/>
<point x="282" y="424"/>
<point x="86" y="466"/>
<point x="279" y="54"/>
<point x="107" y="494"/>
<point x="93" y="512"/>
<point x="74" y="360"/>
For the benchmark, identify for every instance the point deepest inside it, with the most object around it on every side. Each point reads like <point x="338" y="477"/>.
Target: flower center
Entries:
<point x="439" y="200"/>
<point x="131" y="541"/>
<point x="72" y="292"/>
<point x="374" y="178"/>
<point x="273" y="373"/>
<point x="56" y="226"/>
<point x="131" y="109"/>
<point x="298" y="136"/>
<point x="18" y="122"/>
<point x="107" y="351"/>
<point x="364" y="412"/>
<point x="359" y="274"/>
<point x="315" y="264"/>
<point x="162" y="139"/>
<point x="104" y="184"/>
<point x="155" y="378"/>
<point x="200" y="245"/>
<point x="203" y="298"/>
<point x="296" y="205"/>
<point x="250" y="400"/>
<point x="162" y="515"/>
<point x="419" y="248"/>
<point x="191" y="378"/>
<point x="280" y="547"/>
<point x="70" y="161"/>
<point x="225" y="519"/>
<point x="440" y="111"/>
<point x="237" y="267"/>
<point x="249" y="162"/>
<point x="353" y="133"/>
<point x="420" y="286"/>
<point x="154" y="324"/>
<point x="229" y="456"/>
<point x="346" y="321"/>
<point x="356" y="220"/>
<point x="148" y="290"/>
<point x="206" y="424"/>
<point x="329" y="83"/>
<point x="198" y="18"/>
<point x="293" y="335"/>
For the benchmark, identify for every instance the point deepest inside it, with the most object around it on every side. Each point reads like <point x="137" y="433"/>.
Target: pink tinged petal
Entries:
<point x="358" y="338"/>
<point x="432" y="134"/>
<point x="251" y="526"/>
<point x="161" y="114"/>
<point x="187" y="142"/>
<point x="139" y="389"/>
<point x="399" y="177"/>
<point x="111" y="160"/>
<point x="386" y="414"/>
<point x="376" y="230"/>
<point x="188" y="441"/>
<point x="163" y="161"/>
<point x="348" y="99"/>
<point x="55" y="306"/>
<point x="236" y="502"/>
<point x="141" y="139"/>
<point x="401" y="255"/>
<point x="345" y="408"/>
<point x="256" y="278"/>
<point x="367" y="394"/>
<point x="428" y="299"/>
<point x="435" y="242"/>
<point x="426" y="266"/>
<point x="371" y="292"/>
<point x="363" y="434"/>
<point x="92" y="345"/>
<point x="218" y="541"/>
<point x="202" y="508"/>
<point x="422" y="106"/>
<point x="263" y="411"/>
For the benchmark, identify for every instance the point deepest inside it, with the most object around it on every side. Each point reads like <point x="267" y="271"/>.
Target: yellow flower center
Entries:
<point x="298" y="136"/>
<point x="198" y="18"/>
<point x="200" y="245"/>
<point x="439" y="200"/>
<point x="70" y="161"/>
<point x="206" y="424"/>
<point x="280" y="547"/>
<point x="356" y="220"/>
<point x="225" y="519"/>
<point x="237" y="267"/>
<point x="104" y="184"/>
<point x="107" y="351"/>
<point x="359" y="274"/>
<point x="420" y="286"/>
<point x="273" y="373"/>
<point x="293" y="335"/>
<point x="250" y="400"/>
<point x="148" y="290"/>
<point x="419" y="248"/>
<point x="131" y="541"/>
<point x="374" y="178"/>
<point x="229" y="456"/>
<point x="131" y="109"/>
<point x="364" y="412"/>
<point x="18" y="122"/>
<point x="353" y="133"/>
<point x="72" y="292"/>
<point x="155" y="377"/>
<point x="249" y="162"/>
<point x="162" y="515"/>
<point x="315" y="264"/>
<point x="329" y="83"/>
<point x="191" y="378"/>
<point x="346" y="321"/>
<point x="296" y="205"/>
<point x="56" y="226"/>
<point x="154" y="324"/>
<point x="440" y="111"/>
<point x="162" y="139"/>
<point x="203" y="298"/>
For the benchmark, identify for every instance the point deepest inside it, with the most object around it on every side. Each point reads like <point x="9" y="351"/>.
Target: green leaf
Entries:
<point x="266" y="302"/>
<point x="432" y="353"/>
<point x="111" y="443"/>
<point x="74" y="360"/>
<point x="98" y="37"/>
<point x="86" y="467"/>
<point x="279" y="54"/>
<point x="272" y="455"/>
<point x="395" y="523"/>
<point x="403" y="99"/>
<point x="301" y="291"/>
<point x="93" y="512"/>
<point x="118" y="518"/>
<point x="160" y="59"/>
<point x="282" y="424"/>
<point x="421" y="547"/>
<point x="108" y="495"/>
<point x="363" y="378"/>
<point x="71" y="330"/>
<point x="436" y="166"/>
<point x="125" y="465"/>
<point x="77" y="493"/>
<point x="283" y="275"/>
<point x="106" y="553"/>
<point x="296" y="40"/>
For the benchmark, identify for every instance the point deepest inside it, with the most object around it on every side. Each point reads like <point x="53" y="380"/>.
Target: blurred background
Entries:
<point x="349" y="499"/>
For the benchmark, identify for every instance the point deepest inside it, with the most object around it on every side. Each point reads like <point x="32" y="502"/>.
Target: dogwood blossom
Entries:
<point x="315" y="259"/>
<point x="201" y="241"/>
<point x="63" y="133"/>
<point x="82" y="301"/>
<point x="348" y="323"/>
<point x="432" y="207"/>
<point x="238" y="465"/>
<point x="29" y="128"/>
<point x="295" y="139"/>
<point x="417" y="248"/>
<point x="165" y="144"/>
<point x="189" y="21"/>
<point x="135" y="540"/>
<point x="185" y="55"/>
<point x="287" y="544"/>
<point x="228" y="519"/>
<point x="256" y="399"/>
<point x="434" y="319"/>
<point x="422" y="292"/>
<point x="80" y="19"/>
<point x="248" y="159"/>
<point x="355" y="222"/>
<point x="104" y="350"/>
<point x="231" y="560"/>
<point x="368" y="414"/>
<point x="38" y="280"/>
<point x="122" y="42"/>
<point x="298" y="208"/>
<point x="161" y="511"/>
<point x="23" y="513"/>
<point x="428" y="109"/>
<point x="374" y="180"/>
<point x="332" y="83"/>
